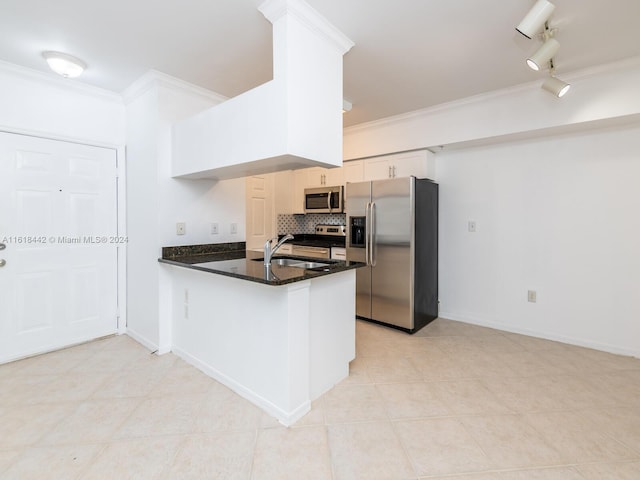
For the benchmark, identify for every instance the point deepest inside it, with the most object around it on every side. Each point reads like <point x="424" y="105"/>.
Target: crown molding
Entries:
<point x="52" y="79"/>
<point x="274" y="10"/>
<point x="154" y="78"/>
<point x="625" y="64"/>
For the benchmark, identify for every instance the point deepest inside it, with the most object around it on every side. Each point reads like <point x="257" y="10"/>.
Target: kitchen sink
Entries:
<point x="310" y="265"/>
<point x="294" y="262"/>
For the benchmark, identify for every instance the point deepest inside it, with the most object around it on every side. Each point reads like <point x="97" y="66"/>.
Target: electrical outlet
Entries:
<point x="531" y="296"/>
<point x="471" y="226"/>
<point x="181" y="228"/>
<point x="214" y="229"/>
<point x="234" y="228"/>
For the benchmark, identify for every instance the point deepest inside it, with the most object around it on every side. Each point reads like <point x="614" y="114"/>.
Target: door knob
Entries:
<point x="2" y="246"/>
<point x="3" y="262"/>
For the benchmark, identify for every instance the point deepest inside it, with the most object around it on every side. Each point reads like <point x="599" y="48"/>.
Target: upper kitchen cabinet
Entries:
<point x="324" y="177"/>
<point x="353" y="171"/>
<point x="419" y="163"/>
<point x="291" y="122"/>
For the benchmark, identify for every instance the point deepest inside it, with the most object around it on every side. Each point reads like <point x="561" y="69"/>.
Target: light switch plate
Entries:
<point x="181" y="228"/>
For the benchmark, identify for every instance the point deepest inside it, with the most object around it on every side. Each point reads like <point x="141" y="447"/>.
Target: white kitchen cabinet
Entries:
<point x="338" y="253"/>
<point x="333" y="176"/>
<point x="300" y="182"/>
<point x="353" y="171"/>
<point x="397" y="165"/>
<point x="324" y="177"/>
<point x="283" y="193"/>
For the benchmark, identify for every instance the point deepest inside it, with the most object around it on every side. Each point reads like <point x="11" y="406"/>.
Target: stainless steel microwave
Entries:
<point x="324" y="200"/>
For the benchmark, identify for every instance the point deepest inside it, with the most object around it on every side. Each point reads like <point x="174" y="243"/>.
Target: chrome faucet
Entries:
<point x="269" y="252"/>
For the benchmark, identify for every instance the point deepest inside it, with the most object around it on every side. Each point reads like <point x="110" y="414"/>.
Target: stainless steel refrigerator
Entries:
<point x="392" y="226"/>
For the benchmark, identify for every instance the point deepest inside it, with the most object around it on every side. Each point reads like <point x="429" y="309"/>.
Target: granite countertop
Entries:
<point x="233" y="260"/>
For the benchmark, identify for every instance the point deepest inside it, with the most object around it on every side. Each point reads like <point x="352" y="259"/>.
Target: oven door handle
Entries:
<point x="317" y="252"/>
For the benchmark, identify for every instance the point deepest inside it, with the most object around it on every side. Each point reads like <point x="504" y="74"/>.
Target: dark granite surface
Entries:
<point x="205" y="249"/>
<point x="222" y="259"/>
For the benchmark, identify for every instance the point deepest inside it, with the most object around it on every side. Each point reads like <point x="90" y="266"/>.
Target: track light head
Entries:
<point x="536" y="18"/>
<point x="544" y="54"/>
<point x="556" y="86"/>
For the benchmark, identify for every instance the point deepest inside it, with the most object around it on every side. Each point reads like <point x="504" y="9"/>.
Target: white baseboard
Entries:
<point x="285" y="418"/>
<point x="141" y="339"/>
<point x="483" y="322"/>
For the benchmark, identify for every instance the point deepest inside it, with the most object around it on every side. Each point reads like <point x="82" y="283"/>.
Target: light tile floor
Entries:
<point x="454" y="401"/>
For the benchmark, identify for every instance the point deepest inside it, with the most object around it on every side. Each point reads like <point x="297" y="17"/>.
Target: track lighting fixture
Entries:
<point x="545" y="53"/>
<point x="536" y="18"/>
<point x="556" y="86"/>
<point x="553" y="84"/>
<point x="531" y="24"/>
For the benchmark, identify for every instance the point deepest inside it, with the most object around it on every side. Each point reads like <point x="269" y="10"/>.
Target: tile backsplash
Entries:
<point x="306" y="224"/>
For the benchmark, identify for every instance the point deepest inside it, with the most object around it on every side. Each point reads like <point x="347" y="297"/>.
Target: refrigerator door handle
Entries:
<point x="372" y="238"/>
<point x="367" y="232"/>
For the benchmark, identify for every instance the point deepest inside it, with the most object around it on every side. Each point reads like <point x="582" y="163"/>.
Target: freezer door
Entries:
<point x="358" y="196"/>
<point x="392" y="257"/>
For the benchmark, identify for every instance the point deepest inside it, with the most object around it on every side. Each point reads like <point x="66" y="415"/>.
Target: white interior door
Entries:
<point x="58" y="223"/>
<point x="259" y="211"/>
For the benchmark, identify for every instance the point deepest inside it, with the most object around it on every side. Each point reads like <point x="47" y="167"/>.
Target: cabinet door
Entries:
<point x="283" y="194"/>
<point x="315" y="177"/>
<point x="333" y="177"/>
<point x="377" y="169"/>
<point x="410" y="163"/>
<point x="353" y="171"/>
<point x="300" y="182"/>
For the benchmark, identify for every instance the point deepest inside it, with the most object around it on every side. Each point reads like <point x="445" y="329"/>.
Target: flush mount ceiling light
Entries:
<point x="346" y="106"/>
<point x="536" y="18"/>
<point x="64" y="64"/>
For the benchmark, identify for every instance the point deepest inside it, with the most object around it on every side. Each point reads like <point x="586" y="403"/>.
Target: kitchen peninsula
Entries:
<point x="280" y="336"/>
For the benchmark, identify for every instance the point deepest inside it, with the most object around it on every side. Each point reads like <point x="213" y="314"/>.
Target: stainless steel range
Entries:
<point x="320" y="244"/>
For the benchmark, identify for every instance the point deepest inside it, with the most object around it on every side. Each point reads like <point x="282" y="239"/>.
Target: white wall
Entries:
<point x="557" y="215"/>
<point x="156" y="201"/>
<point x="51" y="106"/>
<point x="551" y="185"/>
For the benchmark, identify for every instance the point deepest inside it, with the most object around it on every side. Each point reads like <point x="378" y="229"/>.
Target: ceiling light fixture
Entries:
<point x="64" y="64"/>
<point x="346" y="106"/>
<point x="545" y="53"/>
<point x="556" y="86"/>
<point x="536" y="18"/>
<point x="553" y="84"/>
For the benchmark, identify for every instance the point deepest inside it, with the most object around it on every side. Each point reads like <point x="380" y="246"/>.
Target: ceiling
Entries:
<point x="408" y="54"/>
